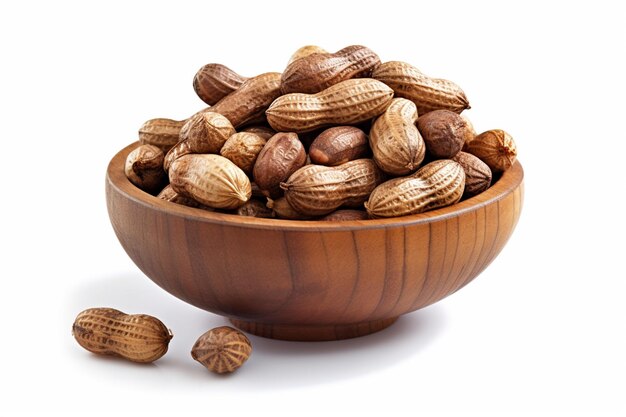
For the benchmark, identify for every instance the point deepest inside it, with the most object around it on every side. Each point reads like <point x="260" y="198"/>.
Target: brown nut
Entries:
<point x="144" y="168"/>
<point x="437" y="184"/>
<point x="222" y="349"/>
<point x="243" y="149"/>
<point x="397" y="145"/>
<point x="263" y="131"/>
<point x="255" y="208"/>
<point x="338" y="145"/>
<point x="281" y="156"/>
<point x="306" y="51"/>
<point x="496" y="148"/>
<point x="106" y="331"/>
<point x="168" y="194"/>
<point x="318" y="71"/>
<point x="283" y="210"/>
<point x="444" y="133"/>
<point x="163" y="133"/>
<point x="345" y="215"/>
<point x="477" y="173"/>
<point x="213" y="82"/>
<point x="470" y="132"/>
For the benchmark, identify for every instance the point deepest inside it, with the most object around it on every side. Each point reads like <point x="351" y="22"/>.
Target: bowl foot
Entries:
<point x="312" y="332"/>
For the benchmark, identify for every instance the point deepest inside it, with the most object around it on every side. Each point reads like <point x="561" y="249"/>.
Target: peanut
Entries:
<point x="444" y="133"/>
<point x="263" y="131"/>
<point x="281" y="156"/>
<point x="203" y="133"/>
<point x="345" y="215"/>
<point x="283" y="210"/>
<point x="144" y="168"/>
<point x="168" y="194"/>
<point x="339" y="145"/>
<point x="162" y="133"/>
<point x="318" y="71"/>
<point x="427" y="93"/>
<point x="106" y="331"/>
<point x="397" y="145"/>
<point x="437" y="184"/>
<point x="477" y="173"/>
<point x="316" y="190"/>
<point x="222" y="350"/>
<point x="213" y="82"/>
<point x="470" y="132"/>
<point x="255" y="208"/>
<point x="243" y="149"/>
<point x="496" y="148"/>
<point x="306" y="51"/>
<point x="211" y="180"/>
<point x="345" y="103"/>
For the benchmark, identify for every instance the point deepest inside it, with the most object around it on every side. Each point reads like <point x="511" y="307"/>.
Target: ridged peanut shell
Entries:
<point x="203" y="133"/>
<point x="222" y="349"/>
<point x="144" y="168"/>
<point x="444" y="132"/>
<point x="163" y="133"/>
<point x="437" y="184"/>
<point x="168" y="194"/>
<point x="316" y="190"/>
<point x="213" y="82"/>
<point x="477" y="174"/>
<point x="396" y="144"/>
<point x="470" y="132"/>
<point x="281" y="156"/>
<point x="496" y="148"/>
<point x="318" y="71"/>
<point x="263" y="131"/>
<point x="106" y="331"/>
<point x="306" y="51"/>
<point x="211" y="180"/>
<point x="338" y="145"/>
<point x="242" y="149"/>
<point x="346" y="103"/>
<point x="249" y="102"/>
<point x="426" y="92"/>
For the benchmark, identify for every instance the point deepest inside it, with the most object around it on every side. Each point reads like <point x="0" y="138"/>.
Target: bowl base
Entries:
<point x="312" y="333"/>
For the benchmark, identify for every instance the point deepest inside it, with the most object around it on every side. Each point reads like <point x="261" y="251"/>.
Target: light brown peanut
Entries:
<point x="444" y="133"/>
<point x="397" y="145"/>
<point x="144" y="168"/>
<point x="345" y="215"/>
<point x="318" y="71"/>
<point x="213" y="82"/>
<point x="168" y="194"/>
<point x="427" y="93"/>
<point x="222" y="350"/>
<point x="496" y="148"/>
<point x="477" y="173"/>
<point x="306" y="51"/>
<point x="281" y="156"/>
<point x="106" y="331"/>
<point x="437" y="184"/>
<point x="242" y="149"/>
<point x="283" y="210"/>
<point x="211" y="180"/>
<point x="163" y="133"/>
<point x="346" y="103"/>
<point x="263" y="131"/>
<point x="203" y="133"/>
<point x="470" y="132"/>
<point x="316" y="190"/>
<point x="338" y="145"/>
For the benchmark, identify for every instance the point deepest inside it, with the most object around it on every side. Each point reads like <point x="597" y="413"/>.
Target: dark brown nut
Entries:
<point x="345" y="215"/>
<point x="222" y="350"/>
<point x="255" y="208"/>
<point x="162" y="133"/>
<point x="318" y="71"/>
<point x="213" y="82"/>
<point x="263" y="131"/>
<point x="283" y="210"/>
<point x="443" y="131"/>
<point x="203" y="133"/>
<point x="496" y="148"/>
<point x="144" y="168"/>
<point x="256" y="191"/>
<point x="242" y="149"/>
<point x="168" y="194"/>
<point x="477" y="173"/>
<point x="339" y="145"/>
<point x="281" y="156"/>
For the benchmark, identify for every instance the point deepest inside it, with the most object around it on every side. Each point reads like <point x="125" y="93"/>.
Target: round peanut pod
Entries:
<point x="338" y="145"/>
<point x="162" y="133"/>
<point x="426" y="92"/>
<point x="213" y="82"/>
<point x="106" y="331"/>
<point x="345" y="215"/>
<point x="496" y="148"/>
<point x="222" y="350"/>
<point x="444" y="133"/>
<point x="144" y="168"/>
<point x="470" y="132"/>
<point x="477" y="173"/>
<point x="397" y="145"/>
<point x="242" y="149"/>
<point x="211" y="180"/>
<point x="306" y="51"/>
<point x="316" y="72"/>
<point x="437" y="184"/>
<point x="283" y="210"/>
<point x="281" y="156"/>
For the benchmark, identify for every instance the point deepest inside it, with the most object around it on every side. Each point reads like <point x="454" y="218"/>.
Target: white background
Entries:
<point x="540" y="332"/>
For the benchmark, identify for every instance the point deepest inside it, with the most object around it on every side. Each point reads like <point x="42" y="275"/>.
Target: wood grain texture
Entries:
<point x="311" y="280"/>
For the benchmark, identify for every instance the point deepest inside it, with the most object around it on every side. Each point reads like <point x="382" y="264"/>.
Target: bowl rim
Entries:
<point x="510" y="180"/>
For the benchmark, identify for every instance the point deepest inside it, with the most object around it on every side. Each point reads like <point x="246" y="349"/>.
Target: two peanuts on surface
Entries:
<point x="335" y="136"/>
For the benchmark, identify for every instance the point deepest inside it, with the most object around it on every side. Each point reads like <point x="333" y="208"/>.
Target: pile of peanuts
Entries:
<point x="335" y="136"/>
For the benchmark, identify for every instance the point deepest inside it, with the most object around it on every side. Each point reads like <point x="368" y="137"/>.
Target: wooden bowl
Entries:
<point x="311" y="280"/>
